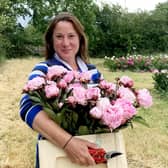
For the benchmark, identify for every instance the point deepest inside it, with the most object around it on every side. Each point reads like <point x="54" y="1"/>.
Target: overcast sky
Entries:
<point x="133" y="5"/>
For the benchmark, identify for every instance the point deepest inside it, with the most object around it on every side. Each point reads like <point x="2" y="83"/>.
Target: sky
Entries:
<point x="134" y="5"/>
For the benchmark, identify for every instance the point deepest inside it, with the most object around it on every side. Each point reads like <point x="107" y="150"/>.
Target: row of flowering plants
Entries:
<point x="83" y="108"/>
<point x="137" y="63"/>
<point x="161" y="80"/>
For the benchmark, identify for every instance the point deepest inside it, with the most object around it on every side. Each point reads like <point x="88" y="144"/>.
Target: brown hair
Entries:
<point x="66" y="16"/>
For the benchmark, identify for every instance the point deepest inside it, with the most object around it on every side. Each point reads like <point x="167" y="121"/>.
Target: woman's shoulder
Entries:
<point x="40" y="69"/>
<point x="43" y="66"/>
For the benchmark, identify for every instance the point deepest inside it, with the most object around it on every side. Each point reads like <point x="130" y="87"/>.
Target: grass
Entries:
<point x="146" y="147"/>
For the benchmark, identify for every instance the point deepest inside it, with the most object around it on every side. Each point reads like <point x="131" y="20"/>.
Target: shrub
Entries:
<point x="161" y="81"/>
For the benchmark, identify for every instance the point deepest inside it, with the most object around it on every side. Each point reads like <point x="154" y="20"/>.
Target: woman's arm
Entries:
<point x="76" y="149"/>
<point x="49" y="129"/>
<point x="28" y="110"/>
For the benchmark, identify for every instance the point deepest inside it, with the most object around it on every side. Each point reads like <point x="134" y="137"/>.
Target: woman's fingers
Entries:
<point x="91" y="145"/>
<point x="77" y="151"/>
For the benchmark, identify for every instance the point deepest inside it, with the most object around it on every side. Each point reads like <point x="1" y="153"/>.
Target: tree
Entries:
<point x="160" y="19"/>
<point x="7" y="24"/>
<point x="10" y="11"/>
<point x="108" y="20"/>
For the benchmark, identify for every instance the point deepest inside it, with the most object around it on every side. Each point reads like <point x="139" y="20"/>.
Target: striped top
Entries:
<point x="28" y="110"/>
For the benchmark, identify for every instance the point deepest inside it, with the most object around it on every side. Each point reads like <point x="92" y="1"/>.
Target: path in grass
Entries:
<point x="146" y="147"/>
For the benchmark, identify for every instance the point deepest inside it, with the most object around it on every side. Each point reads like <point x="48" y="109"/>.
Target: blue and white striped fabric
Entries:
<point x="28" y="111"/>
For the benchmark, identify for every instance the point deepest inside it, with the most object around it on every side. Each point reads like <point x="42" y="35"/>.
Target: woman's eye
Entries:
<point x="71" y="36"/>
<point x="58" y="37"/>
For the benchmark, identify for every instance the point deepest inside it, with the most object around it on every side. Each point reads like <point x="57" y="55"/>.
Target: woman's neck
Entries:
<point x="70" y="62"/>
<point x="73" y="64"/>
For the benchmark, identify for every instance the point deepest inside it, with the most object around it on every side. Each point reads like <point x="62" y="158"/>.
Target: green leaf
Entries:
<point x="35" y="93"/>
<point x="83" y="130"/>
<point x="59" y="118"/>
<point x="35" y="99"/>
<point x="140" y="120"/>
<point x="102" y="130"/>
<point x="46" y="104"/>
<point x="69" y="92"/>
<point x="48" y="111"/>
<point x="65" y="125"/>
<point x="75" y="117"/>
<point x="55" y="117"/>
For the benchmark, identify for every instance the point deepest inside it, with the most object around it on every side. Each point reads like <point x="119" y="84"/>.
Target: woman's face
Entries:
<point x="66" y="40"/>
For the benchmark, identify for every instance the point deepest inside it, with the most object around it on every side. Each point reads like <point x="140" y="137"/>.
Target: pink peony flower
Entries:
<point x="96" y="113"/>
<point x="104" y="84"/>
<point x="93" y="93"/>
<point x="34" y="84"/>
<point x="85" y="76"/>
<point x="62" y="84"/>
<point x="144" y="98"/>
<point x="111" y="88"/>
<point x="155" y="71"/>
<point x="74" y="85"/>
<point x="130" y="61"/>
<point x="51" y="90"/>
<point x="126" y="81"/>
<point x="113" y="117"/>
<point x="103" y="104"/>
<point x="71" y="100"/>
<point x="79" y="95"/>
<point x="108" y="87"/>
<point x="55" y="71"/>
<point x="126" y="94"/>
<point x="69" y="76"/>
<point x="25" y="88"/>
<point x="128" y="109"/>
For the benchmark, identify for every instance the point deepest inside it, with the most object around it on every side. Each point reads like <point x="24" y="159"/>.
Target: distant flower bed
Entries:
<point x="137" y="63"/>
<point x="161" y="80"/>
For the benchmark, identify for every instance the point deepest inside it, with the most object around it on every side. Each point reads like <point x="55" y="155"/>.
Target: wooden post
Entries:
<point x="54" y="157"/>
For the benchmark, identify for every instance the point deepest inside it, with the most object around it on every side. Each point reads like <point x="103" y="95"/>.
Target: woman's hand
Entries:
<point x="76" y="148"/>
<point x="77" y="151"/>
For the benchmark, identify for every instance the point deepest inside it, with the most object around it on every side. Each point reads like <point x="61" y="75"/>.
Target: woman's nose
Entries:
<point x="65" y="41"/>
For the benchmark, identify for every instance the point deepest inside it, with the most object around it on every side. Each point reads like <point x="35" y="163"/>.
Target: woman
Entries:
<point x="66" y="45"/>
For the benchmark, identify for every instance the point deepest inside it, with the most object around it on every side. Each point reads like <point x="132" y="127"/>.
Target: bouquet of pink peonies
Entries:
<point x="80" y="107"/>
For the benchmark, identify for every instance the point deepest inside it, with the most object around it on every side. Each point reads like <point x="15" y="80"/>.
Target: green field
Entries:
<point x="146" y="147"/>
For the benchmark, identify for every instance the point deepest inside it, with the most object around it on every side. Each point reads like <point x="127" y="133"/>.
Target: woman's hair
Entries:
<point x="66" y="16"/>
